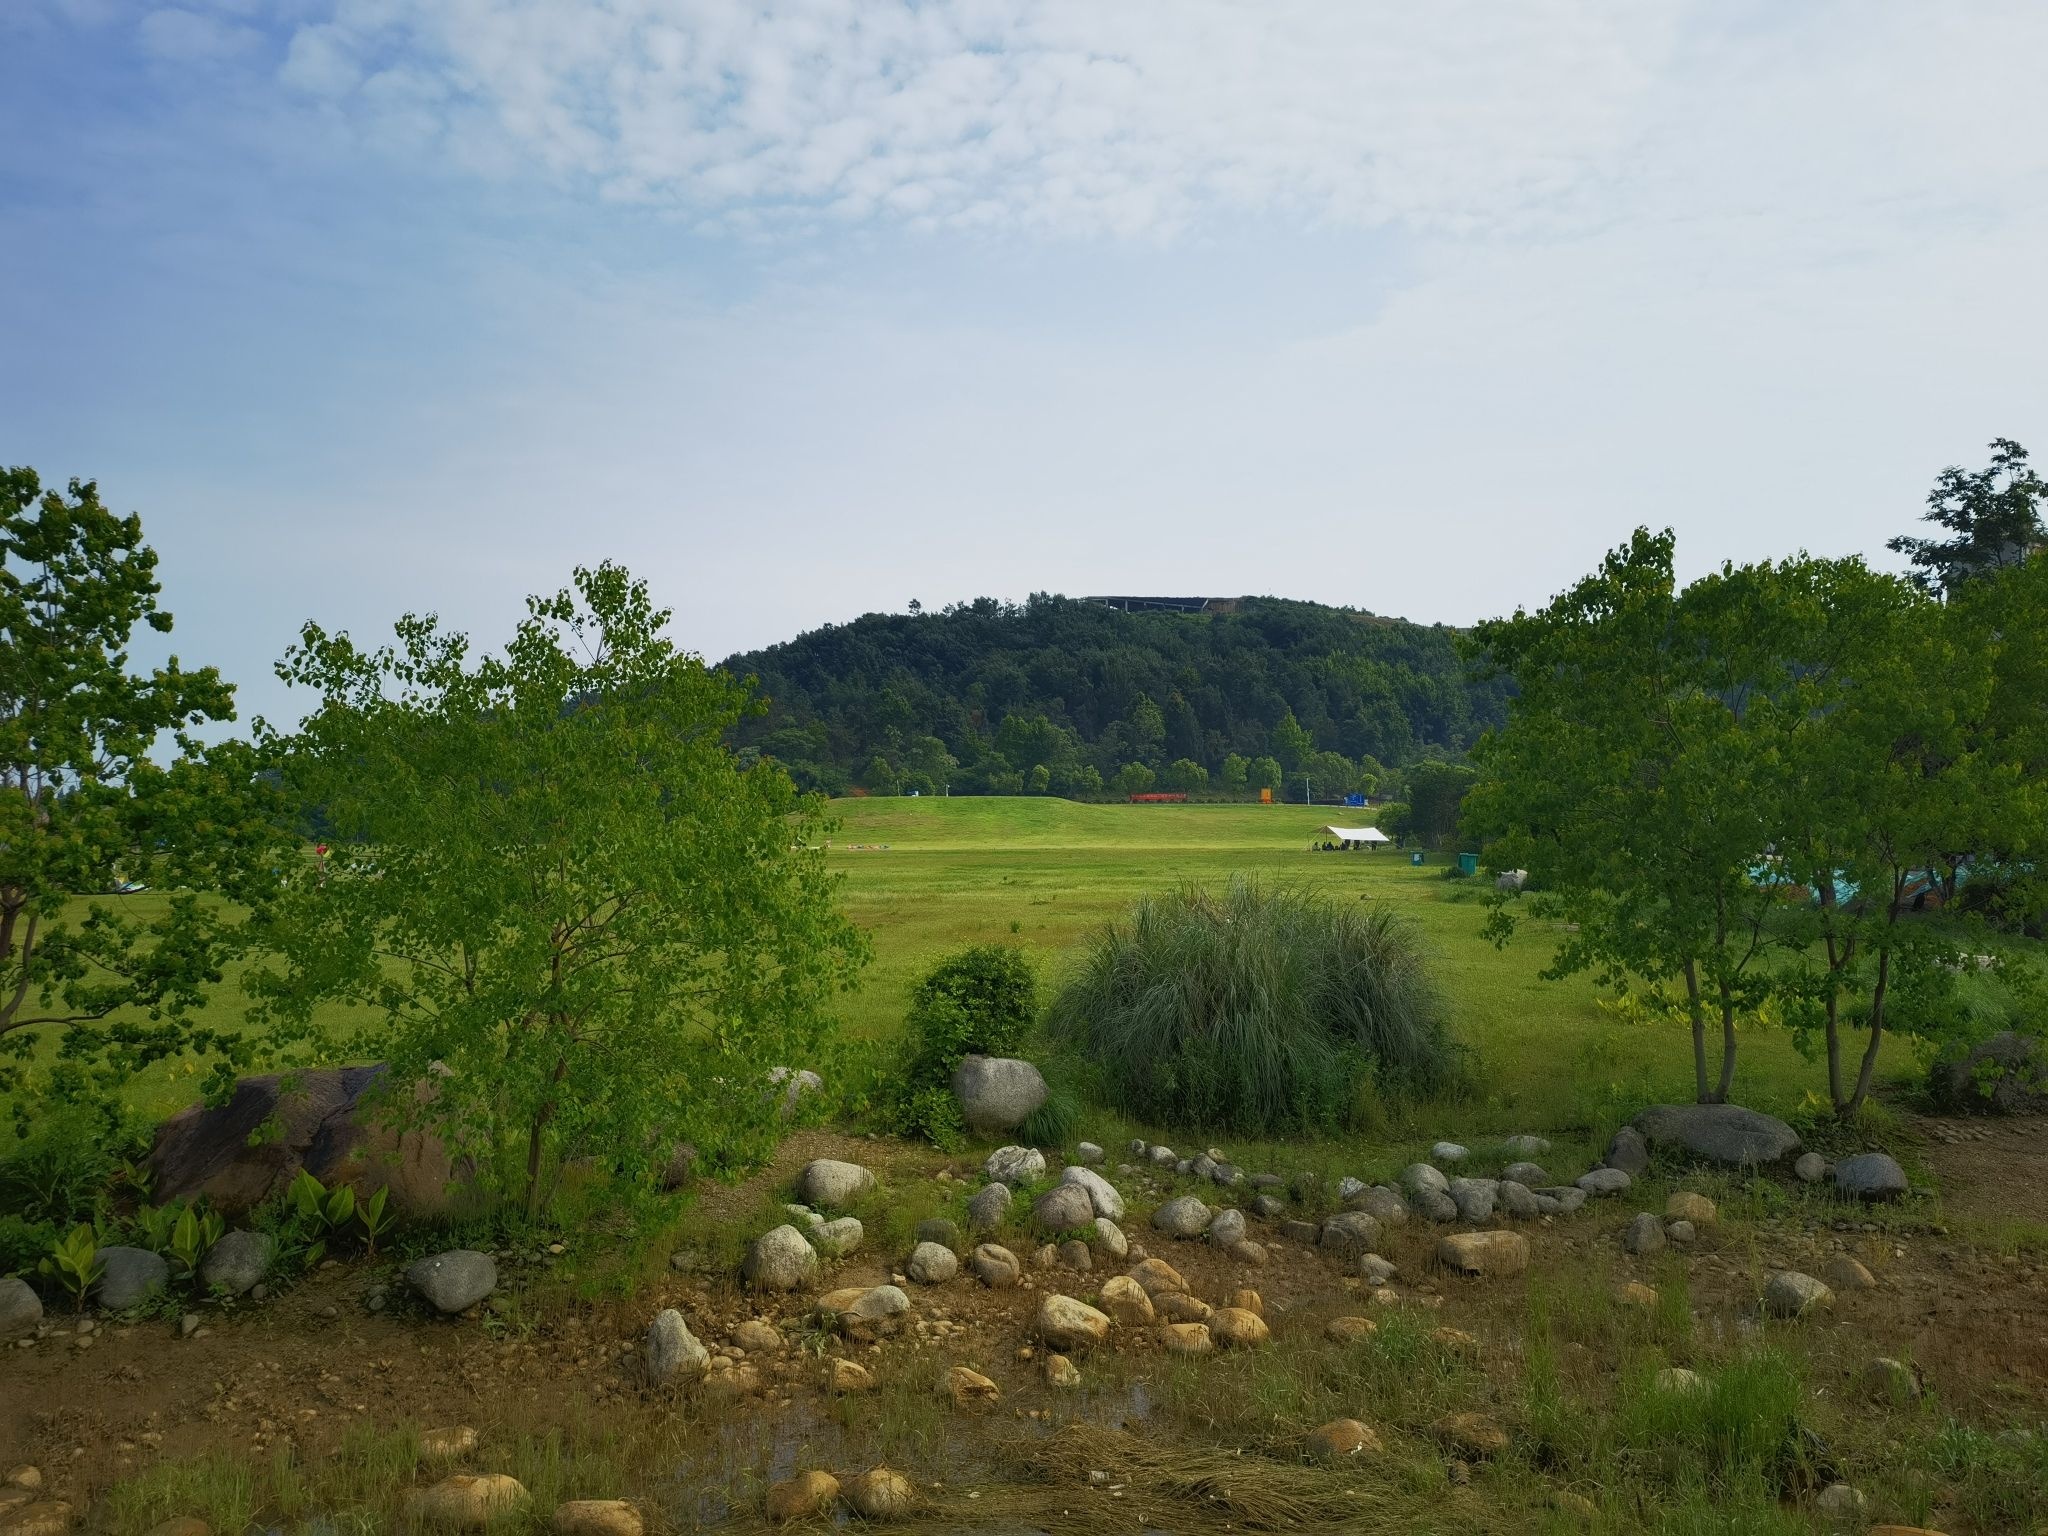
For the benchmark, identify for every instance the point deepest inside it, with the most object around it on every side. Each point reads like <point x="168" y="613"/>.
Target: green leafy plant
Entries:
<point x="151" y="1225"/>
<point x="321" y="1213"/>
<point x="375" y="1220"/>
<point x="191" y="1235"/>
<point x="74" y="1262"/>
<point x="979" y="1001"/>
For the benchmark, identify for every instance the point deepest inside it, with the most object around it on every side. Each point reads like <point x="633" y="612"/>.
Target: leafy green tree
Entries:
<point x="1291" y="744"/>
<point x="1631" y="782"/>
<point x="1185" y="775"/>
<point x="580" y="923"/>
<point x="1993" y="516"/>
<point x="1134" y="779"/>
<point x="1236" y="773"/>
<point x="1038" y="781"/>
<point x="1436" y="795"/>
<point x="1145" y="729"/>
<point x="879" y="777"/>
<point x="1266" y="773"/>
<point x="109" y="982"/>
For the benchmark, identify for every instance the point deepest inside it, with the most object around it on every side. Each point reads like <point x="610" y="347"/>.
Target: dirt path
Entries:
<point x="1990" y="1168"/>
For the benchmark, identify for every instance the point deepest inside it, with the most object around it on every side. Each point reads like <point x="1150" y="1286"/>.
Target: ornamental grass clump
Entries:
<point x="1259" y="1010"/>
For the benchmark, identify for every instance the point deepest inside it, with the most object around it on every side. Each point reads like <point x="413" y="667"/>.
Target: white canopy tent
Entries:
<point x="1355" y="834"/>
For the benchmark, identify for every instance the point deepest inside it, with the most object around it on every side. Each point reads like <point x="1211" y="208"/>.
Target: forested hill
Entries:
<point x="1065" y="697"/>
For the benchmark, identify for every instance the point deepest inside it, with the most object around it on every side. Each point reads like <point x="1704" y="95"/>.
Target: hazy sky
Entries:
<point x="812" y="308"/>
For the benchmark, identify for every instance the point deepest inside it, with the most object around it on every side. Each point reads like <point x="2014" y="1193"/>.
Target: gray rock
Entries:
<point x="456" y="1280"/>
<point x="1645" y="1234"/>
<point x="997" y="1093"/>
<point x="876" y="1303"/>
<point x="1063" y="1206"/>
<point x="21" y="1310"/>
<point x="1811" y="1168"/>
<point x="1511" y="880"/>
<point x="941" y="1230"/>
<point x="1203" y="1167"/>
<point x="1266" y="1181"/>
<point x="779" y="1260"/>
<point x="1075" y="1254"/>
<point x="932" y="1264"/>
<point x="829" y="1183"/>
<point x="1162" y="1157"/>
<point x="1568" y="1197"/>
<point x="235" y="1263"/>
<point x="2006" y="1074"/>
<point x="836" y="1239"/>
<point x="1306" y="1233"/>
<point x="1138" y="1147"/>
<point x="132" y="1275"/>
<point x="1474" y="1198"/>
<point x="1681" y="1232"/>
<point x="1525" y="1146"/>
<point x="1841" y="1504"/>
<point x="1604" y="1181"/>
<point x="1420" y="1176"/>
<point x="1376" y="1271"/>
<point x="1870" y="1176"/>
<point x="1517" y="1199"/>
<point x="1528" y="1175"/>
<point x="1350" y="1234"/>
<point x="985" y="1212"/>
<point x="1791" y="1294"/>
<point x="1627" y="1151"/>
<point x="1719" y="1133"/>
<point x="1101" y="1193"/>
<point x="1268" y="1207"/>
<point x="1015" y="1166"/>
<point x="1229" y="1175"/>
<point x="795" y="1086"/>
<point x="1184" y="1167"/>
<point x="1349" y="1189"/>
<point x="1184" y="1217"/>
<point x="1383" y="1204"/>
<point x="1433" y="1205"/>
<point x="1088" y="1155"/>
<point x="995" y="1266"/>
<point x="671" y="1350"/>
<point x="1546" y="1205"/>
<point x="1227" y="1228"/>
<point x="1111" y="1237"/>
<point x="1448" y="1152"/>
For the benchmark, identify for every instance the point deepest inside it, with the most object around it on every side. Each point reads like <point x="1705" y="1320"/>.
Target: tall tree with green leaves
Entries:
<point x="1993" y="517"/>
<point x="1630" y="782"/>
<point x="581" y="924"/>
<point x="111" y="859"/>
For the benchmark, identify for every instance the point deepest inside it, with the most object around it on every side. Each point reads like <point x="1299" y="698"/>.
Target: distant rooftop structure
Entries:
<point x="1166" y="604"/>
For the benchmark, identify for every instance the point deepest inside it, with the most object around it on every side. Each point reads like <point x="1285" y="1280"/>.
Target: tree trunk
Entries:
<point x="535" y="1139"/>
<point x="1699" y="1032"/>
<point x="1835" y="1046"/>
<point x="1727" y="1045"/>
<point x="1869" y="1066"/>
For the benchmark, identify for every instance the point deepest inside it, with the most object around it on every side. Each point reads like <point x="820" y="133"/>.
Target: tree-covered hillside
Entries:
<point x="1064" y="697"/>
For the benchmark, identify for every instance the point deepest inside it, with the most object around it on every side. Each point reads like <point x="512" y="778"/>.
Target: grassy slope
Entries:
<point x="1045" y="873"/>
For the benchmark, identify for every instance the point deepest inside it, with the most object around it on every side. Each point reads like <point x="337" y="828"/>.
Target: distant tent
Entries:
<point x="1355" y="834"/>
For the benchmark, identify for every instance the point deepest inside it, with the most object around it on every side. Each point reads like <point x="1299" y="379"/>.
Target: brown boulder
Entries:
<point x="331" y="1123"/>
<point x="880" y="1493"/>
<point x="808" y="1493"/>
<point x="597" y="1517"/>
<point x="1340" y="1439"/>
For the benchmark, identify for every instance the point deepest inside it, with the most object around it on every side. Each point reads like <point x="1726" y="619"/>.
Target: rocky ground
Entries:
<point x="771" y="1387"/>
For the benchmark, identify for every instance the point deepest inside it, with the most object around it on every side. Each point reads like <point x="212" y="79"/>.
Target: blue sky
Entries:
<point x="810" y="309"/>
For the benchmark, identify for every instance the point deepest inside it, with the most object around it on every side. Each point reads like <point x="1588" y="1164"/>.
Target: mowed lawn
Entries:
<point x="927" y="875"/>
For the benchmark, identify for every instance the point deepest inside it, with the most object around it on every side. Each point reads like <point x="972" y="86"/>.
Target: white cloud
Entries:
<point x="187" y="37"/>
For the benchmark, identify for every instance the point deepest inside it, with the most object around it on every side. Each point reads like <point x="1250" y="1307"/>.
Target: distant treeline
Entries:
<point x="1058" y="696"/>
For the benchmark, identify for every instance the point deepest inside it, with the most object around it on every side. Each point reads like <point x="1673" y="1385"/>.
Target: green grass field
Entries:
<point x="926" y="876"/>
<point x="1045" y="873"/>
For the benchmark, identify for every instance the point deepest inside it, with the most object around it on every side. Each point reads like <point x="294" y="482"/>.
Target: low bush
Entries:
<point x="63" y="1171"/>
<point x="1257" y="1011"/>
<point x="980" y="1001"/>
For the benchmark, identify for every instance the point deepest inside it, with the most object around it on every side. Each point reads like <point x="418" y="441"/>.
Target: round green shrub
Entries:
<point x="1257" y="1011"/>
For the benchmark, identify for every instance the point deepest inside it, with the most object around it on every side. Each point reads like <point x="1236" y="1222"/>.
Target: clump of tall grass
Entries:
<point x="1277" y="1011"/>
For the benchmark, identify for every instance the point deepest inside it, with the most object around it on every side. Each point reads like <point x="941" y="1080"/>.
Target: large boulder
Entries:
<point x="1627" y="1151"/>
<point x="1484" y="1253"/>
<point x="997" y="1093"/>
<point x="131" y="1276"/>
<point x="1350" y="1234"/>
<point x="236" y="1263"/>
<point x="932" y="1264"/>
<point x="1718" y="1133"/>
<point x="20" y="1308"/>
<point x="832" y="1184"/>
<point x="467" y="1503"/>
<point x="1182" y="1217"/>
<point x="333" y="1123"/>
<point x="2006" y="1074"/>
<point x="453" y="1281"/>
<point x="1870" y="1176"/>
<point x="986" y="1210"/>
<point x="796" y="1086"/>
<point x="779" y="1260"/>
<point x="1069" y="1325"/>
<point x="671" y="1351"/>
<point x="1101" y="1192"/>
<point x="1474" y="1198"/>
<point x="1063" y="1208"/>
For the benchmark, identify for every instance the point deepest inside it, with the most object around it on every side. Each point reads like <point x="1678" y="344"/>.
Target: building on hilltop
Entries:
<point x="1167" y="604"/>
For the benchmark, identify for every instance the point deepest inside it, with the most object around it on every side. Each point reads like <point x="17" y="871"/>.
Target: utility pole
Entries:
<point x="1306" y="798"/>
